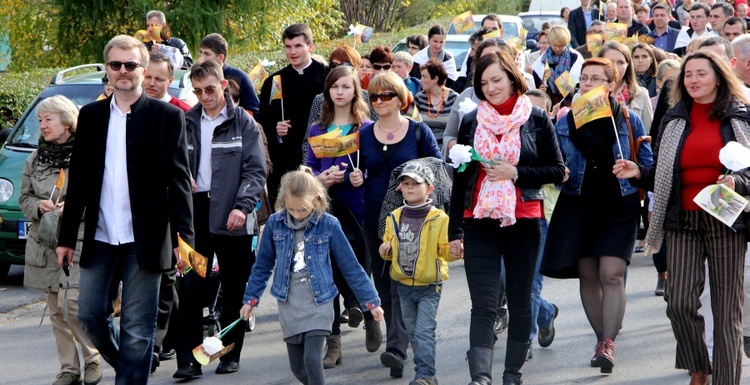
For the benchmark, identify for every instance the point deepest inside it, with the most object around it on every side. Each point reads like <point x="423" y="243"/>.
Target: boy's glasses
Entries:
<point x="129" y="66"/>
<point x="384" y="96"/>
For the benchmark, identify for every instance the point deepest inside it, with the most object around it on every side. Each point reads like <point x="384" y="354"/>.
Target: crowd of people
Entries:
<point x="375" y="228"/>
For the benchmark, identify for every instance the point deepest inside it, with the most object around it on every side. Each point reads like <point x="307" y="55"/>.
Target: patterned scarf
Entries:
<point x="55" y="155"/>
<point x="497" y="199"/>
<point x="557" y="65"/>
<point x="670" y="141"/>
<point x="623" y="95"/>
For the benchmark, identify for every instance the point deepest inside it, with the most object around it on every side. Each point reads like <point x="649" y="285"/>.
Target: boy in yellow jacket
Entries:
<point x="416" y="241"/>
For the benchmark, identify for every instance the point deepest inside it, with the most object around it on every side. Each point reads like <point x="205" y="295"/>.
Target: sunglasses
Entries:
<point x="129" y="66"/>
<point x="379" y="67"/>
<point x="334" y="65"/>
<point x="385" y="96"/>
<point x="210" y="90"/>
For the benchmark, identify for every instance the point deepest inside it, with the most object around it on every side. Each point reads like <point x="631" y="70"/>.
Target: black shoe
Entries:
<point x="226" y="367"/>
<point x="355" y="317"/>
<point x="501" y="323"/>
<point x="393" y="361"/>
<point x="344" y="317"/>
<point x="154" y="362"/>
<point x="547" y="334"/>
<point x="167" y="355"/>
<point x="188" y="371"/>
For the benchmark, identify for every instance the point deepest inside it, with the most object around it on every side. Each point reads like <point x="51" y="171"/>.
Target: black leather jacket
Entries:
<point x="540" y="163"/>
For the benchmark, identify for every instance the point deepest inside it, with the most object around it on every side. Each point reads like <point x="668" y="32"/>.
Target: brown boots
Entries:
<point x="333" y="352"/>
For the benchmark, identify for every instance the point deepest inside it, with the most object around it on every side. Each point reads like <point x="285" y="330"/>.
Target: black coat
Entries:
<point x="158" y="178"/>
<point x="540" y="163"/>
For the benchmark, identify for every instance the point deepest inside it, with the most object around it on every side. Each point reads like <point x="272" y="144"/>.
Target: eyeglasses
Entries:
<point x="379" y="67"/>
<point x="129" y="66"/>
<point x="210" y="90"/>
<point x="593" y="79"/>
<point x="384" y="96"/>
<point x="334" y="64"/>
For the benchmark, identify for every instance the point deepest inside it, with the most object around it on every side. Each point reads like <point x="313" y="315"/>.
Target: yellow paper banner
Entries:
<point x="276" y="88"/>
<point x="194" y="259"/>
<point x="491" y="35"/>
<point x="591" y="106"/>
<point x="594" y="42"/>
<point x="546" y="74"/>
<point x="60" y="182"/>
<point x="612" y="30"/>
<point x="565" y="84"/>
<point x="257" y="76"/>
<point x="325" y="146"/>
<point x="463" y="22"/>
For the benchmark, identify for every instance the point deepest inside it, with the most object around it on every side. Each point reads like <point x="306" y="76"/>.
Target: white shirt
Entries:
<point x="166" y="98"/>
<point x="115" y="225"/>
<point x="208" y="125"/>
<point x="301" y="71"/>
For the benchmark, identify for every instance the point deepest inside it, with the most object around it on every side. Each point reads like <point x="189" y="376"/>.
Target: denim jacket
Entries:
<point x="576" y="162"/>
<point x="323" y="239"/>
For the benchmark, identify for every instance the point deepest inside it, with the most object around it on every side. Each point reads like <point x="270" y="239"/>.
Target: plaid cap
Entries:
<point x="419" y="172"/>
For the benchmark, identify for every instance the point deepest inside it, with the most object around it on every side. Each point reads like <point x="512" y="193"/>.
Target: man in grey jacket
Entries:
<point x="228" y="167"/>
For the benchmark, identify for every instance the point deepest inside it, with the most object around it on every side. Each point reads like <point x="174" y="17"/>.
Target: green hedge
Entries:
<point x="18" y="90"/>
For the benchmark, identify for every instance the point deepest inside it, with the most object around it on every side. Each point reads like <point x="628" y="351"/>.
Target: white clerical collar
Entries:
<point x="302" y="71"/>
<point x="166" y="98"/>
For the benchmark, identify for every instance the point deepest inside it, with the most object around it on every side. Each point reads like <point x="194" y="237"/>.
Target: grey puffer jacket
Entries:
<point x="41" y="270"/>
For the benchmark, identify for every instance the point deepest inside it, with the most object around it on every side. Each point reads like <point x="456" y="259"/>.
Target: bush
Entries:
<point x="18" y="90"/>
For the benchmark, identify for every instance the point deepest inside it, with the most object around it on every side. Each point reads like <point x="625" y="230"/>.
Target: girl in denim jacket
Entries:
<point x="296" y="246"/>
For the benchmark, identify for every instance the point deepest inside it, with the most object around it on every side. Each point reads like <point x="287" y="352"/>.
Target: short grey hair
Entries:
<point x="59" y="104"/>
<point x="403" y="57"/>
<point x="157" y="14"/>
<point x="721" y="42"/>
<point x="741" y="46"/>
<point x="126" y="42"/>
<point x="596" y="23"/>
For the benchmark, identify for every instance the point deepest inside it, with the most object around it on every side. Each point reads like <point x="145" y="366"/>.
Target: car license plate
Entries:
<point x="23" y="229"/>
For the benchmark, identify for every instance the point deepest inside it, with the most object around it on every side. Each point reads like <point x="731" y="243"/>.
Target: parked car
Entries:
<point x="81" y="88"/>
<point x="511" y="26"/>
<point x="552" y="5"/>
<point x="458" y="45"/>
<point x="532" y="21"/>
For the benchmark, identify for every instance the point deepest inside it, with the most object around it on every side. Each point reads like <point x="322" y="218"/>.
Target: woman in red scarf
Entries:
<point x="493" y="206"/>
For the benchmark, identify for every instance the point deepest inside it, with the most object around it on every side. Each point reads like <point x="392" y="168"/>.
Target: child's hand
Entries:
<point x="246" y="311"/>
<point x="377" y="313"/>
<point x="456" y="248"/>
<point x="385" y="248"/>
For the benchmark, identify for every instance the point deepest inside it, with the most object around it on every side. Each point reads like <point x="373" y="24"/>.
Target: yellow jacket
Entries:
<point x="431" y="265"/>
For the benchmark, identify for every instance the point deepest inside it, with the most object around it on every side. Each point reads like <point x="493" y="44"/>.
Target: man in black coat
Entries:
<point x="284" y="119"/>
<point x="129" y="175"/>
<point x="625" y="16"/>
<point x="579" y="22"/>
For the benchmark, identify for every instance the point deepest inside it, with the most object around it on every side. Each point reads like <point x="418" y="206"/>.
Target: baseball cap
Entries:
<point x="418" y="171"/>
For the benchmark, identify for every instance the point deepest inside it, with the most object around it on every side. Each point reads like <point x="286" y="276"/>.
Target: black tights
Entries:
<point x="603" y="294"/>
<point x="306" y="360"/>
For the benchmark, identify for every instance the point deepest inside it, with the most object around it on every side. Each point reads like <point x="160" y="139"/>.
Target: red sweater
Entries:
<point x="524" y="209"/>
<point x="699" y="160"/>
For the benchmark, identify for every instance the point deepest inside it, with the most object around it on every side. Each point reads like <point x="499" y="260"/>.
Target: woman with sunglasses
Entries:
<point x="494" y="205"/>
<point x="435" y="102"/>
<point x="594" y="224"/>
<point x="385" y="145"/>
<point x="343" y="109"/>
<point x="381" y="58"/>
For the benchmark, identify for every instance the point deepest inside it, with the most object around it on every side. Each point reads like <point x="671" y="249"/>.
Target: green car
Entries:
<point x="82" y="85"/>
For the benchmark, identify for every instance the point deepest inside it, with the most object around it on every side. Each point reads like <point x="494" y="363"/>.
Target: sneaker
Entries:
<point x="606" y="359"/>
<point x="373" y="335"/>
<point x="67" y="378"/>
<point x="169" y="354"/>
<point x="547" y="334"/>
<point x="424" y="381"/>
<point x="501" y="323"/>
<point x="355" y="317"/>
<point x="393" y="361"/>
<point x="597" y="352"/>
<point x="746" y="342"/>
<point x="92" y="373"/>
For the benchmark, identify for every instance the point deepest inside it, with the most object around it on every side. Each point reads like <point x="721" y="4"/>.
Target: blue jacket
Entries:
<point x="323" y="239"/>
<point x="576" y="162"/>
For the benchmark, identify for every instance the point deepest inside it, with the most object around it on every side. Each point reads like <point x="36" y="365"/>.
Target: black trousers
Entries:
<point x="166" y="316"/>
<point x="486" y="247"/>
<point x="236" y="259"/>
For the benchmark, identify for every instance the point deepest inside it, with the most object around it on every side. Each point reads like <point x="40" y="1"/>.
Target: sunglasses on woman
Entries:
<point x="129" y="66"/>
<point x="379" y="67"/>
<point x="384" y="96"/>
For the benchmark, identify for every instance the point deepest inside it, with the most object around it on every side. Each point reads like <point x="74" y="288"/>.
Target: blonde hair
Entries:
<point x="59" y="104"/>
<point x="389" y="81"/>
<point x="558" y="36"/>
<point x="303" y="185"/>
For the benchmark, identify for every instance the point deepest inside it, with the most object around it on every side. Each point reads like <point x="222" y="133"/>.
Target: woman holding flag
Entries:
<point x="556" y="60"/>
<point x="42" y="199"/>
<point x="343" y="113"/>
<point x="498" y="203"/>
<point x="594" y="225"/>
<point x="710" y="111"/>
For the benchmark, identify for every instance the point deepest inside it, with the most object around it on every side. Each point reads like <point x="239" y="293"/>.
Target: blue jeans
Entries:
<point x="541" y="310"/>
<point x="129" y="349"/>
<point x="419" y="305"/>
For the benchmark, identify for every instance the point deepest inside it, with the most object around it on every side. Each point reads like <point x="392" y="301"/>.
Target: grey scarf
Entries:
<point x="670" y="142"/>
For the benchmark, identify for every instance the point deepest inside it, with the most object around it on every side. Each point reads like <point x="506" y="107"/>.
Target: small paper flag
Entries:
<point x="275" y="88"/>
<point x="327" y="147"/>
<point x="594" y="42"/>
<point x="547" y="73"/>
<point x="565" y="84"/>
<point x="491" y="35"/>
<point x="463" y="22"/>
<point x="194" y="260"/>
<point x="60" y="182"/>
<point x="257" y="76"/>
<point x="591" y="106"/>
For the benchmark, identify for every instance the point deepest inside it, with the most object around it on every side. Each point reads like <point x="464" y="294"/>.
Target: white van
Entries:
<point x="552" y="5"/>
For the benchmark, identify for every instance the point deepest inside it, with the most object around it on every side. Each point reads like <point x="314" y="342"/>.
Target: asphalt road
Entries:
<point x="644" y="350"/>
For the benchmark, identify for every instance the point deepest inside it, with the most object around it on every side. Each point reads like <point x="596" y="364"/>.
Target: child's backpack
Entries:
<point x="441" y="196"/>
